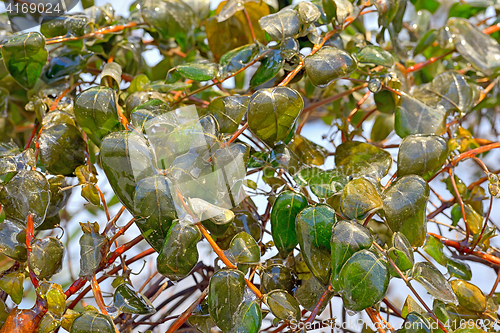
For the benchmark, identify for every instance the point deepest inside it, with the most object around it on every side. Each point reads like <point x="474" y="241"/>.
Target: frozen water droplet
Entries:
<point x="375" y="85"/>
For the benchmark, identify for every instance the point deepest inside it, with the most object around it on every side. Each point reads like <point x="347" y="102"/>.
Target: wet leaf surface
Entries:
<point x="469" y="296"/>
<point x="327" y="183"/>
<point x="268" y="69"/>
<point x="93" y="247"/>
<point x="328" y="65"/>
<point x="359" y="199"/>
<point x="401" y="253"/>
<point x="229" y="111"/>
<point x="283" y="305"/>
<point x="281" y="25"/>
<point x="420" y="154"/>
<point x="12" y="284"/>
<point x="92" y="321"/>
<point x="433" y="281"/>
<point x="375" y="55"/>
<point x="243" y="249"/>
<point x="46" y="258"/>
<point x="362" y="159"/>
<point x="128" y="300"/>
<point x="13" y="240"/>
<point x="277" y="276"/>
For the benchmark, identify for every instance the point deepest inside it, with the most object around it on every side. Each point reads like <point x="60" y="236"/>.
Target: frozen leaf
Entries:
<point x="92" y="321"/>
<point x="66" y="63"/>
<point x="458" y="268"/>
<point x="308" y="12"/>
<point x="360" y="199"/>
<point x="281" y="25"/>
<point x="364" y="280"/>
<point x="387" y="10"/>
<point x="421" y="154"/>
<point x="382" y="127"/>
<point x="198" y="71"/>
<point x="205" y="210"/>
<point x="469" y="296"/>
<point x="248" y="318"/>
<point x="229" y="111"/>
<point x="13" y="240"/>
<point x="405" y="207"/>
<point x="46" y="257"/>
<point x="376" y="55"/>
<point x="128" y="300"/>
<point x="310" y="292"/>
<point x="362" y="159"/>
<point x="12" y="284"/>
<point x="328" y="183"/>
<point x="401" y="253"/>
<point x="93" y="250"/>
<point x="283" y="305"/>
<point x="329" y="64"/>
<point x="277" y="277"/>
<point x="269" y="67"/>
<point x="244" y="250"/>
<point x="425" y="41"/>
<point x="235" y="60"/>
<point x="343" y="9"/>
<point x="434" y="282"/>
<point x="112" y="70"/>
<point x="308" y="151"/>
<point x="411" y="306"/>
<point x="434" y="248"/>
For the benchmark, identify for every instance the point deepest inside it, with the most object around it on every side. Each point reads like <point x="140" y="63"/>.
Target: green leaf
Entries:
<point x="268" y="69"/>
<point x="405" y="207"/>
<point x="46" y="257"/>
<point x="225" y="294"/>
<point x="469" y="296"/>
<point x="154" y="209"/>
<point x="128" y="300"/>
<point x="49" y="323"/>
<point x="283" y="24"/>
<point x="96" y="112"/>
<point x="327" y="183"/>
<point x="92" y="321"/>
<point x="314" y="230"/>
<point x="66" y="63"/>
<point x="24" y="57"/>
<point x="348" y="237"/>
<point x="387" y="10"/>
<point x="430" y="5"/>
<point x="466" y="10"/>
<point x="308" y="151"/>
<point x="248" y="318"/>
<point x="385" y="101"/>
<point x="425" y="41"/>
<point x="434" y="248"/>
<point x="470" y="330"/>
<point x="112" y="70"/>
<point x="235" y="60"/>
<point x="416" y="323"/>
<point x="433" y="281"/>
<point x="459" y="269"/>
<point x="308" y="12"/>
<point x="179" y="255"/>
<point x="277" y="276"/>
<point x="12" y="284"/>
<point x="421" y="154"/>
<point x="126" y="159"/>
<point x="382" y="127"/>
<point x="273" y="112"/>
<point x="283" y="213"/>
<point x="62" y="148"/>
<point x="329" y="64"/>
<point x="243" y="249"/>
<point x="401" y="253"/>
<point x="13" y="240"/>
<point x="363" y="280"/>
<point x="27" y="193"/>
<point x="481" y="50"/>
<point x="283" y="305"/>
<point x="415" y="117"/>
<point x="198" y="71"/>
<point x="411" y="306"/>
<point x="376" y="55"/>
<point x="343" y="9"/>
<point x="310" y="292"/>
<point x="360" y="199"/>
<point x="93" y="248"/>
<point x="362" y="159"/>
<point x="229" y="111"/>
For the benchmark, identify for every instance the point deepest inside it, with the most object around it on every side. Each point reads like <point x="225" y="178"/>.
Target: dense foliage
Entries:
<point x="205" y="147"/>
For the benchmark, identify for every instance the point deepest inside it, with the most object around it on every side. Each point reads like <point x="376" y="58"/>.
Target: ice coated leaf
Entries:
<point x="283" y="213"/>
<point x="458" y="268"/>
<point x="411" y="305"/>
<point x="12" y="284"/>
<point x="236" y="59"/>
<point x="112" y="70"/>
<point x="66" y="63"/>
<point x="129" y="301"/>
<point x="425" y="41"/>
<point x="198" y="71"/>
<point x="225" y="294"/>
<point x="96" y="113"/>
<point x="179" y="254"/>
<point x="277" y="277"/>
<point x="200" y="7"/>
<point x="364" y="280"/>
<point x="310" y="292"/>
<point x="329" y="64"/>
<point x="281" y="25"/>
<point x="92" y="322"/>
<point x="28" y="192"/>
<point x="244" y="250"/>
<point x="308" y="12"/>
<point x="420" y="154"/>
<point x="327" y="183"/>
<point x="415" y="117"/>
<point x="229" y="111"/>
<point x="46" y="257"/>
<point x="205" y="210"/>
<point x="362" y="159"/>
<point x="126" y="159"/>
<point x="62" y="148"/>
<point x="434" y="282"/>
<point x="376" y="55"/>
<point x="387" y="10"/>
<point x="24" y="57"/>
<point x="401" y="253"/>
<point x="13" y="240"/>
<point x="348" y="237"/>
<point x="434" y="248"/>
<point x="93" y="248"/>
<point x="414" y="319"/>
<point x="154" y="209"/>
<point x="343" y="9"/>
<point x="469" y="296"/>
<point x="308" y="151"/>
<point x="404" y="207"/>
<point x="248" y="318"/>
<point x="314" y="230"/>
<point x="470" y="330"/>
<point x="481" y="50"/>
<point x="272" y="113"/>
<point x="359" y="199"/>
<point x="382" y="127"/>
<point x="283" y="305"/>
<point x="268" y="69"/>
<point x="49" y="323"/>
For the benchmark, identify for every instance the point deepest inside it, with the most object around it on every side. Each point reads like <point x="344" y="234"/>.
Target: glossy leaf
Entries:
<point x="93" y="247"/>
<point x="13" y="240"/>
<point x="382" y="127"/>
<point x="459" y="269"/>
<point x="92" y="321"/>
<point x="244" y="250"/>
<point x="375" y="55"/>
<point x="362" y="159"/>
<point x="327" y="183"/>
<point x="425" y="41"/>
<point x="308" y="12"/>
<point x="46" y="257"/>
<point x="229" y="111"/>
<point x="24" y="57"/>
<point x="405" y="208"/>
<point x="179" y="254"/>
<point x="12" y="284"/>
<point x="281" y="25"/>
<point x="387" y="10"/>
<point x="469" y="296"/>
<point x="401" y="253"/>
<point x="348" y="237"/>
<point x="434" y="248"/>
<point x="328" y="65"/>
<point x="310" y="292"/>
<point x="235" y="60"/>
<point x="360" y="199"/>
<point x="268" y="69"/>
<point x="314" y="230"/>
<point x="277" y="277"/>
<point x="283" y="213"/>
<point x="248" y="317"/>
<point x="308" y="151"/>
<point x="272" y="113"/>
<point x="364" y="280"/>
<point x="283" y="305"/>
<point x="66" y="63"/>
<point x="129" y="301"/>
<point x="420" y="154"/>
<point x="433" y="281"/>
<point x="198" y="71"/>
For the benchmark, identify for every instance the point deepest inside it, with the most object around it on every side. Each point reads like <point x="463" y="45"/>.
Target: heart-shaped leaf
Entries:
<point x="283" y="305"/>
<point x="469" y="296"/>
<point x="46" y="257"/>
<point x="434" y="282"/>
<point x="376" y="55"/>
<point x="307" y="151"/>
<point x="314" y="230"/>
<point x="24" y="57"/>
<point x="179" y="255"/>
<point x="12" y="284"/>
<point x="359" y="199"/>
<point x="348" y="237"/>
<point x="308" y="13"/>
<point x="93" y="249"/>
<point x="283" y="213"/>
<point x="327" y="183"/>
<point x="362" y="159"/>
<point x="363" y="280"/>
<point x="272" y="113"/>
<point x="92" y="321"/>
<point x="236" y="59"/>
<point x="225" y="294"/>
<point x="243" y="250"/>
<point x="405" y="206"/>
<point x="310" y="292"/>
<point x="66" y="63"/>
<point x="128" y="300"/>
<point x="420" y="154"/>
<point x="248" y="318"/>
<point x="281" y="25"/>
<point x="329" y="64"/>
<point x="228" y="111"/>
<point x="277" y="276"/>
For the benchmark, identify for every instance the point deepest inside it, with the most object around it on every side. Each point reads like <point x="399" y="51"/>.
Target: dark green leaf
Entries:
<point x="401" y="253"/>
<point x="466" y="10"/>
<point x="362" y="159"/>
<point x="459" y="269"/>
<point x="310" y="292"/>
<point x="277" y="277"/>
<point x="67" y="63"/>
<point x="248" y="318"/>
<point x="433" y="281"/>
<point x="360" y="199"/>
<point x="92" y="321"/>
<point x="228" y="111"/>
<point x="425" y="41"/>
<point x="244" y="250"/>
<point x="329" y="64"/>
<point x="93" y="248"/>
<point x="382" y="127"/>
<point x="46" y="257"/>
<point x="236" y="59"/>
<point x="13" y="240"/>
<point x="375" y="55"/>
<point x="128" y="300"/>
<point x="327" y="183"/>
<point x="268" y="69"/>
<point x="387" y="10"/>
<point x="420" y="154"/>
<point x="281" y="25"/>
<point x="283" y="305"/>
<point x="198" y="71"/>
